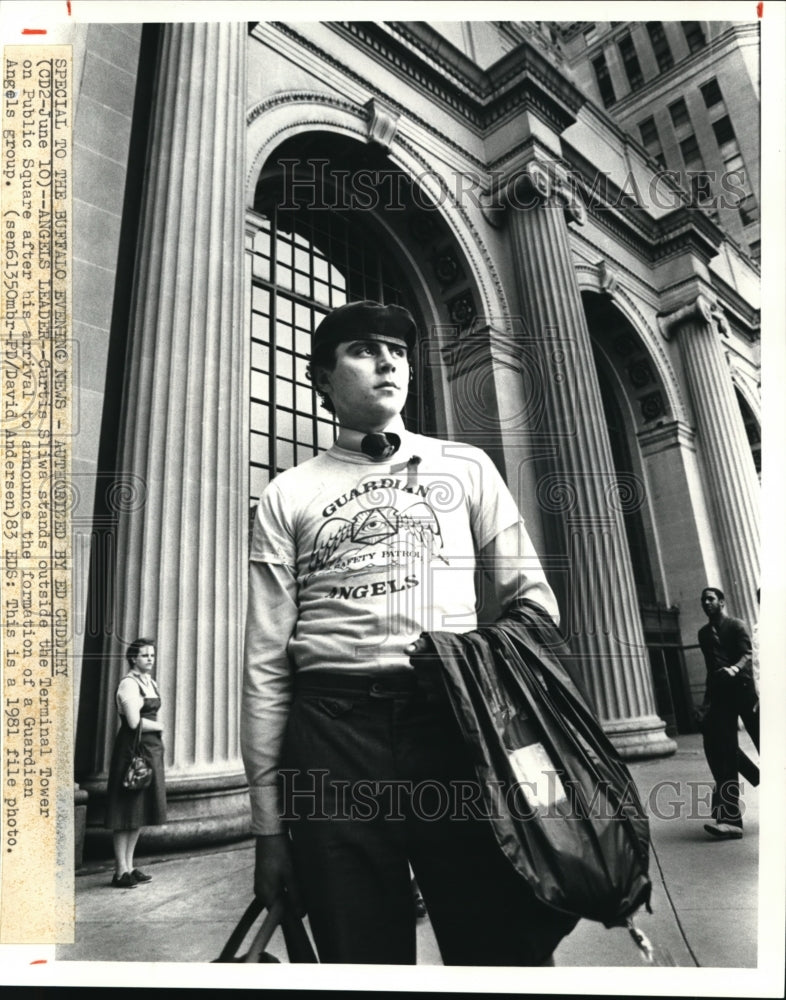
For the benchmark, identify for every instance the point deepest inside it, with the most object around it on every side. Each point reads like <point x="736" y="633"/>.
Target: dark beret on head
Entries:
<point x="358" y="320"/>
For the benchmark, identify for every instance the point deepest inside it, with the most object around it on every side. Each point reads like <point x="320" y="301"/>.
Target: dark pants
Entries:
<point x="729" y="701"/>
<point x="368" y="768"/>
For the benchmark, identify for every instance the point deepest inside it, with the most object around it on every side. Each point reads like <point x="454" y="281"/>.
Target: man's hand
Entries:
<point x="418" y="646"/>
<point x="700" y="716"/>
<point x="274" y="873"/>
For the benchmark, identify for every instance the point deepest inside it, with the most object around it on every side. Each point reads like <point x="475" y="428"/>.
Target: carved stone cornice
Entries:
<point x="524" y="79"/>
<point x="701" y="309"/>
<point x="687" y="228"/>
<point x="294" y="37"/>
<point x="624" y="213"/>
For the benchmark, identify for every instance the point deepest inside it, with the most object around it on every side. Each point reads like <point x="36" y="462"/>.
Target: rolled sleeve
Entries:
<point x="267" y="687"/>
<point x="512" y="563"/>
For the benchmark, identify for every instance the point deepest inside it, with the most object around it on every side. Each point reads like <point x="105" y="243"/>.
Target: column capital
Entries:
<point x="702" y="309"/>
<point x="540" y="183"/>
<point x="533" y="184"/>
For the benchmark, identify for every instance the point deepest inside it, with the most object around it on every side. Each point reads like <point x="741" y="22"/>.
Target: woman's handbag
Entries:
<point x="299" y="947"/>
<point x="139" y="772"/>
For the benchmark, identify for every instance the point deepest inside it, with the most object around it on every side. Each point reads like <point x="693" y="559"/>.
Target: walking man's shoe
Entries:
<point x="723" y="831"/>
<point x="139" y="876"/>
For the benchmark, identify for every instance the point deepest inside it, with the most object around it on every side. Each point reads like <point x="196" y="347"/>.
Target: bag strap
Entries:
<point x="142" y="690"/>
<point x="253" y="910"/>
<point x="265" y="932"/>
<point x="299" y="947"/>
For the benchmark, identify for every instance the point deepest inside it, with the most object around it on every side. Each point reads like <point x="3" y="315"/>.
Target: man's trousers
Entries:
<point x="376" y="777"/>
<point x="729" y="701"/>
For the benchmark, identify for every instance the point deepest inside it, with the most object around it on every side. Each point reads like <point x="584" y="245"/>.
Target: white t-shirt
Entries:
<point x="352" y="559"/>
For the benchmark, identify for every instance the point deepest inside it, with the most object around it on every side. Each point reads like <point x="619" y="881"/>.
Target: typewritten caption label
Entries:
<point x="36" y="690"/>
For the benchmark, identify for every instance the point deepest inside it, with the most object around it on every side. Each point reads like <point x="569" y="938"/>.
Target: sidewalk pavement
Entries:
<point x="704" y="900"/>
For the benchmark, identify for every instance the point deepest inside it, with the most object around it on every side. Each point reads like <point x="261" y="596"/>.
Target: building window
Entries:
<point x="303" y="265"/>
<point x="711" y="93"/>
<point x="691" y="153"/>
<point x="723" y="130"/>
<point x="679" y="114"/>
<point x="701" y="188"/>
<point x="631" y="62"/>
<point x="651" y="140"/>
<point x="699" y="180"/>
<point x="694" y="35"/>
<point x="749" y="210"/>
<point x="605" y="86"/>
<point x="733" y="164"/>
<point x="660" y="45"/>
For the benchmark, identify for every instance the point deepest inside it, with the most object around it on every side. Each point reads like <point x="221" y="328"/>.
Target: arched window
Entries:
<point x="304" y="263"/>
<point x="751" y="429"/>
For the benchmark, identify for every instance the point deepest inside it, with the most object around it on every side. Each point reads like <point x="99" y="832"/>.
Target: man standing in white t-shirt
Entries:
<point x="355" y="771"/>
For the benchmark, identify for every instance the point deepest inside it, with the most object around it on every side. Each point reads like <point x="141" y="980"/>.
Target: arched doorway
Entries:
<point x="334" y="221"/>
<point x="752" y="430"/>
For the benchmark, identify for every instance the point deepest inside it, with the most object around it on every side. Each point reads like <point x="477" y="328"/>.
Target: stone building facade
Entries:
<point x="585" y="317"/>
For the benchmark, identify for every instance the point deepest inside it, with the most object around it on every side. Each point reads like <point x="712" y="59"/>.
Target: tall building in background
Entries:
<point x="689" y="92"/>
<point x="589" y="314"/>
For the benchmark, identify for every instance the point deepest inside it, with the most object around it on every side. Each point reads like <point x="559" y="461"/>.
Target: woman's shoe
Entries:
<point x="140" y="876"/>
<point x="124" y="881"/>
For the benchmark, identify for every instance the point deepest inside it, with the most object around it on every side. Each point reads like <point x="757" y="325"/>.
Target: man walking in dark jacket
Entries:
<point x="730" y="693"/>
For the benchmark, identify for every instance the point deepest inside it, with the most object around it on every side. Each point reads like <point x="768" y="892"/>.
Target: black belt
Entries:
<point x="383" y="684"/>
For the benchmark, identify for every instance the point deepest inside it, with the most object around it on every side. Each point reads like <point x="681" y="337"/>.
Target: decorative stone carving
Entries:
<point x="462" y="309"/>
<point x="447" y="268"/>
<point x="608" y="277"/>
<point x="701" y="308"/>
<point x="382" y="122"/>
<point x="640" y="373"/>
<point x="652" y="406"/>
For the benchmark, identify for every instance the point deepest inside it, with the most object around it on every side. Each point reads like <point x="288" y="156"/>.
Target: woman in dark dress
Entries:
<point x="137" y="698"/>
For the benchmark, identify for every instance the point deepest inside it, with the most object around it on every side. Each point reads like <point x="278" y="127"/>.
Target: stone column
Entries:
<point x="580" y="494"/>
<point x="729" y="472"/>
<point x="181" y="555"/>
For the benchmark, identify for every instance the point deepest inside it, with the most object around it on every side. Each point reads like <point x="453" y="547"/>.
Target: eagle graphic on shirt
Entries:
<point x="379" y="536"/>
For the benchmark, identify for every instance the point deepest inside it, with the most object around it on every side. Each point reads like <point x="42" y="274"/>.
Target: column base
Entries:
<point x="640" y="737"/>
<point x="80" y="823"/>
<point x="201" y="812"/>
